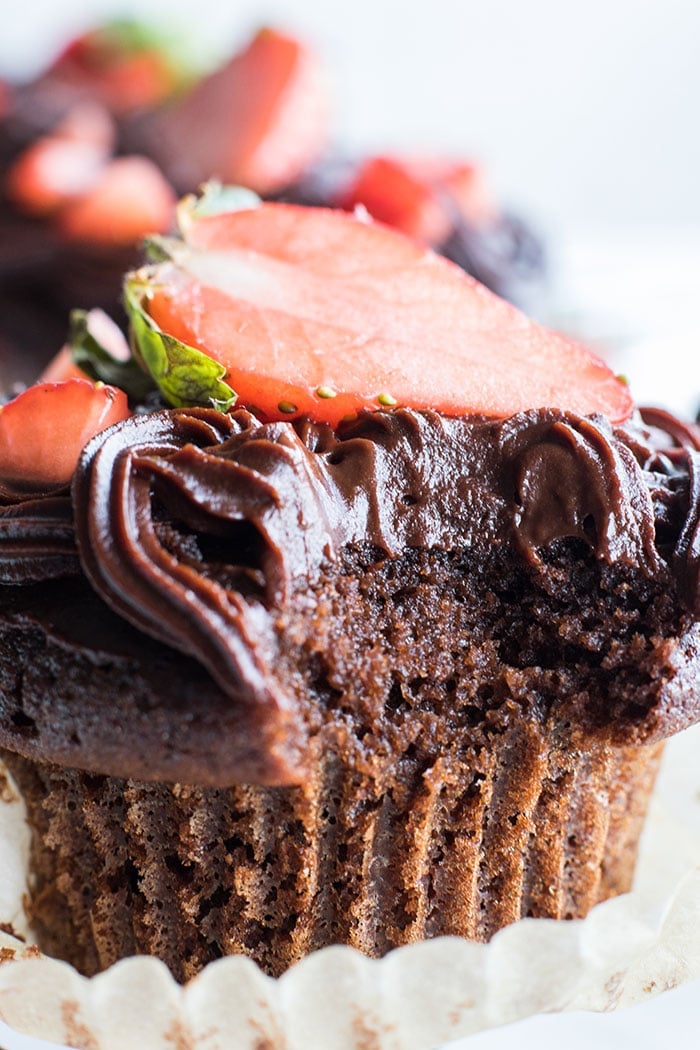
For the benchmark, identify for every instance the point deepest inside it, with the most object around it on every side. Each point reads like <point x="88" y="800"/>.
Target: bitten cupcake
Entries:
<point x="373" y="635"/>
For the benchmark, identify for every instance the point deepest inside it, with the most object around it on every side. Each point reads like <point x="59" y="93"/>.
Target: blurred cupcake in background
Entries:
<point x="96" y="149"/>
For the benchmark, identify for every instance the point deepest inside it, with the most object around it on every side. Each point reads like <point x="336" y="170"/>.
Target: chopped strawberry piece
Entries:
<point x="131" y="199"/>
<point x="136" y="82"/>
<point x="392" y="193"/>
<point x="44" y="430"/>
<point x="259" y="122"/>
<point x="61" y="367"/>
<point x="87" y="121"/>
<point x="122" y="65"/>
<point x="53" y="171"/>
<point x="313" y="312"/>
<point x="418" y="196"/>
<point x="465" y="184"/>
<point x="472" y="193"/>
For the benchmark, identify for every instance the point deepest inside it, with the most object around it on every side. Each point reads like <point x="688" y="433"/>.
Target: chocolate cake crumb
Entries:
<point x="451" y="795"/>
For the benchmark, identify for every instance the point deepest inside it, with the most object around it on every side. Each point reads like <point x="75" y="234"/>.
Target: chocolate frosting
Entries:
<point x="393" y="480"/>
<point x="200" y="529"/>
<point x="279" y="499"/>
<point x="37" y="540"/>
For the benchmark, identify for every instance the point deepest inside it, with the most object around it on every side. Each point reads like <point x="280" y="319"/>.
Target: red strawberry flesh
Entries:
<point x="393" y="193"/>
<point x="260" y="121"/>
<point x="89" y="122"/>
<point x="52" y="172"/>
<point x="111" y="65"/>
<point x="44" y="430"/>
<point x="293" y="300"/>
<point x="420" y="196"/>
<point x="130" y="199"/>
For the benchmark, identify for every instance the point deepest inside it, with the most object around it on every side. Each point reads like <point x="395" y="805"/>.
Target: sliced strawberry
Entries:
<point x="393" y="193"/>
<point x="130" y="199"/>
<point x="87" y="121"/>
<point x="465" y="184"/>
<point x="125" y="65"/>
<point x="470" y="191"/>
<point x="260" y="121"/>
<point x="313" y="312"/>
<point x="44" y="430"/>
<point x="137" y="82"/>
<point x="53" y="171"/>
<point x="418" y="196"/>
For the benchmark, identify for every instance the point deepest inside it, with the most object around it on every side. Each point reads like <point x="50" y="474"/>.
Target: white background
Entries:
<point x="587" y="116"/>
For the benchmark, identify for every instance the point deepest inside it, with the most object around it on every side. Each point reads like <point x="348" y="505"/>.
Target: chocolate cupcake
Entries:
<point x="272" y="678"/>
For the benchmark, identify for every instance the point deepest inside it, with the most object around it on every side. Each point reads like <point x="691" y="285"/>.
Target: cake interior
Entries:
<point x="475" y="756"/>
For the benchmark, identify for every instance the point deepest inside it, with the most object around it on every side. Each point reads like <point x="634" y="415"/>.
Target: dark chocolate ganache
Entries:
<point x="206" y="531"/>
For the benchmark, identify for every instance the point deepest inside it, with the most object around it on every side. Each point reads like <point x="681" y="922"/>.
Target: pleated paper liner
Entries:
<point x="628" y="948"/>
<point x="462" y="848"/>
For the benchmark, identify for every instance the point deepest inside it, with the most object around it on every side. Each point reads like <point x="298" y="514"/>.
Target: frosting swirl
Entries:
<point x="392" y="480"/>
<point x="206" y="531"/>
<point x="37" y="540"/>
<point x="192" y="524"/>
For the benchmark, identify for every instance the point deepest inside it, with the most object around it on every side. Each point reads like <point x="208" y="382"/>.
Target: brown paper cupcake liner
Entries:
<point x="629" y="948"/>
<point x="190" y="874"/>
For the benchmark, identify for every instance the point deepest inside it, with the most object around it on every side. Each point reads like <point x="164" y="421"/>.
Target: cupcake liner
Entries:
<point x="15" y="839"/>
<point x="191" y="874"/>
<point x="628" y="948"/>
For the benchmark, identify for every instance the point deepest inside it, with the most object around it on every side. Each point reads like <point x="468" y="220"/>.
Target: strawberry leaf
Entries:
<point x="159" y="248"/>
<point x="214" y="199"/>
<point x="91" y="354"/>
<point x="185" y="376"/>
<point x="312" y="313"/>
<point x="124" y="37"/>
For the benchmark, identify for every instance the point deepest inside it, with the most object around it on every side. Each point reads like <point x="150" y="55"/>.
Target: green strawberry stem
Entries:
<point x="184" y="375"/>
